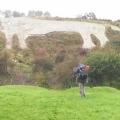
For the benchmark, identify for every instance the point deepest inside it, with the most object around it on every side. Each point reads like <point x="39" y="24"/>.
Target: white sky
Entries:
<point x="108" y="9"/>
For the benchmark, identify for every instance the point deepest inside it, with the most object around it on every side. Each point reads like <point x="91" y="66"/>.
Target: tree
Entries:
<point x="60" y="56"/>
<point x="47" y="14"/>
<point x="22" y="14"/>
<point x="95" y="40"/>
<point x="2" y="40"/>
<point x="3" y="62"/>
<point x="31" y="13"/>
<point x="43" y="65"/>
<point x="16" y="14"/>
<point x="15" y="42"/>
<point x="91" y="15"/>
<point x="3" y="54"/>
<point x="38" y="13"/>
<point x="8" y="13"/>
<point x="104" y="66"/>
<point x="63" y="73"/>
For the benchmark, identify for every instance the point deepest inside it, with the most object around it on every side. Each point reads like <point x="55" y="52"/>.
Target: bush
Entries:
<point x="54" y="42"/>
<point x="63" y="74"/>
<point x="105" y="66"/>
<point x="114" y="39"/>
<point x="2" y="40"/>
<point x="112" y="34"/>
<point x="4" y="62"/>
<point x="67" y="38"/>
<point x="40" y="79"/>
<point x="42" y="64"/>
<point x="95" y="40"/>
<point x="60" y="56"/>
<point x="82" y="51"/>
<point x="15" y="42"/>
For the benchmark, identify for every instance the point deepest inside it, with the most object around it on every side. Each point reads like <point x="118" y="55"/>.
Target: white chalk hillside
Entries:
<point x="26" y="26"/>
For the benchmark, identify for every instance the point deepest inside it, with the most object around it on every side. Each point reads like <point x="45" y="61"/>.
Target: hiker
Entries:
<point x="80" y="73"/>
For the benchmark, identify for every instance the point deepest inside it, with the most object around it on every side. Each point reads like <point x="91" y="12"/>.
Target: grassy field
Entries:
<point x="34" y="103"/>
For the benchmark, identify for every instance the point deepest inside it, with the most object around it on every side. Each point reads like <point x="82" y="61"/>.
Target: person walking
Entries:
<point x="80" y="73"/>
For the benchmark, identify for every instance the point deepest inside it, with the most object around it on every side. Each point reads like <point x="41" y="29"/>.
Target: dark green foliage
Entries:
<point x="104" y="66"/>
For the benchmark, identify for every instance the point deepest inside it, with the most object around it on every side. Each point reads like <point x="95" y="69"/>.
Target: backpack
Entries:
<point x="80" y="72"/>
<point x="78" y="69"/>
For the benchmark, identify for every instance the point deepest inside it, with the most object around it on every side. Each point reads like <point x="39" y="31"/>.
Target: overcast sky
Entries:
<point x="108" y="9"/>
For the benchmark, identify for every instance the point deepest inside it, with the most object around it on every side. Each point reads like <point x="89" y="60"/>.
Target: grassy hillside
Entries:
<point x="33" y="103"/>
<point x="26" y="26"/>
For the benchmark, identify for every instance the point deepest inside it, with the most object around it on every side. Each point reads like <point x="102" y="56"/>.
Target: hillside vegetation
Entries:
<point x="34" y="103"/>
<point x="26" y="26"/>
<point x="54" y="42"/>
<point x="54" y="48"/>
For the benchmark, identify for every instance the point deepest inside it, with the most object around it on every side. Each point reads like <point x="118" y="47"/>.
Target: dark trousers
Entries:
<point x="82" y="89"/>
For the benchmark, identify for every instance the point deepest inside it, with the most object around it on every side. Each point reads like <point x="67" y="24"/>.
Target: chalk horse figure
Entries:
<point x="81" y="74"/>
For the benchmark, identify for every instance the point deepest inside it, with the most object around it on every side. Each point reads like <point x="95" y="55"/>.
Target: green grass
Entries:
<point x="34" y="103"/>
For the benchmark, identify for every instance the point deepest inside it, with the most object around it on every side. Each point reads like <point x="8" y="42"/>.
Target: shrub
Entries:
<point x="25" y="56"/>
<point x="114" y="39"/>
<point x="3" y="62"/>
<point x="2" y="40"/>
<point x="42" y="64"/>
<point x="53" y="42"/>
<point x="112" y="34"/>
<point x="15" y="43"/>
<point x="82" y="51"/>
<point x="63" y="74"/>
<point x="95" y="40"/>
<point x="40" y="53"/>
<point x="60" y="56"/>
<point x="105" y="66"/>
<point x="68" y="38"/>
<point x="40" y="79"/>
